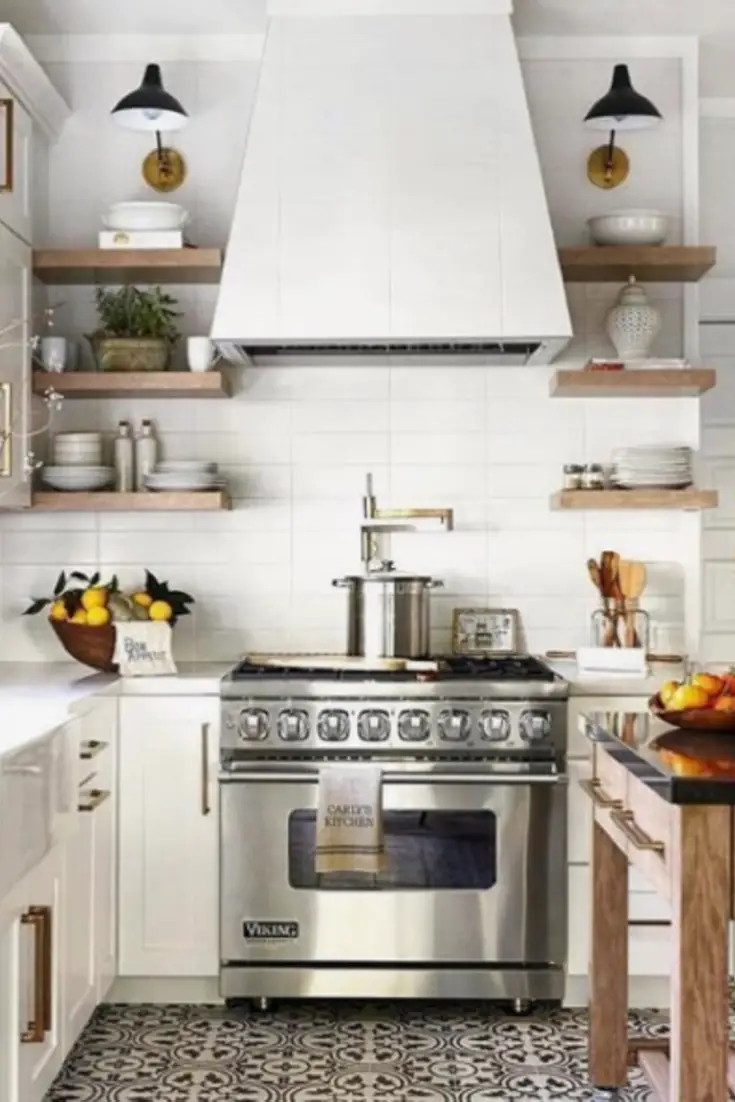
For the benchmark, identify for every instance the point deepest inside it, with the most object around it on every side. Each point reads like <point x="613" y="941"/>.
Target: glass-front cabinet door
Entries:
<point x="15" y="369"/>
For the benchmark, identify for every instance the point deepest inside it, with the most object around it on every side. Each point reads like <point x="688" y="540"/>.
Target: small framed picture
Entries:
<point x="485" y="631"/>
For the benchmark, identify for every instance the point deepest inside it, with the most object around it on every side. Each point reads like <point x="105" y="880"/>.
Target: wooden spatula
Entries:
<point x="609" y="568"/>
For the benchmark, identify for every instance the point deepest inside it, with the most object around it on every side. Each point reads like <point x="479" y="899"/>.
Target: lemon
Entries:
<point x="160" y="610"/>
<point x="97" y="617"/>
<point x="79" y="617"/>
<point x="143" y="599"/>
<point x="95" y="598"/>
<point x="58" y="611"/>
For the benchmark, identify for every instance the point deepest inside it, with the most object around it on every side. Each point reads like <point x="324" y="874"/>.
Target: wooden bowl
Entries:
<point x="694" y="719"/>
<point x="92" y="646"/>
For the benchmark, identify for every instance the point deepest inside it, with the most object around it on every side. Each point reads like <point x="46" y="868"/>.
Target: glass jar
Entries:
<point x="593" y="477"/>
<point x="621" y="624"/>
<point x="573" y="476"/>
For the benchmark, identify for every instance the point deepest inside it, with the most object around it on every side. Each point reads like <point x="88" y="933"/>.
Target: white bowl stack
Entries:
<point x="77" y="463"/>
<point x="652" y="467"/>
<point x="185" y="475"/>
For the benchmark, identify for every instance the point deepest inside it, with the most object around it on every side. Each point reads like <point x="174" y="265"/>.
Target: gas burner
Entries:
<point x="512" y="667"/>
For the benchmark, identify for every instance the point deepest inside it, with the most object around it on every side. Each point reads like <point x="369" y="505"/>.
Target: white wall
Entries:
<point x="296" y="442"/>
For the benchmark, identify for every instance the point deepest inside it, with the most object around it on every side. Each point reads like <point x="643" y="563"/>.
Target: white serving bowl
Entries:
<point x="145" y="216"/>
<point x="78" y="456"/>
<point x="191" y="466"/>
<point x="77" y="478"/>
<point x="629" y="227"/>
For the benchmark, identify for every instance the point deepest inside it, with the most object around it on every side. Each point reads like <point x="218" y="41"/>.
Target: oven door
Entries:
<point x="476" y="872"/>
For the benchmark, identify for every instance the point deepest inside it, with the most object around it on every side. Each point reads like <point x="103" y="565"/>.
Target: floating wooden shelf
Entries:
<point x="634" y="383"/>
<point x="106" y="501"/>
<point x="648" y="263"/>
<point x="147" y="384"/>
<point x="111" y="266"/>
<point x="635" y="499"/>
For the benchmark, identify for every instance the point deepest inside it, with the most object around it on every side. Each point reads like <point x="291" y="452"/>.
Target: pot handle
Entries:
<point x="341" y="583"/>
<point x="434" y="584"/>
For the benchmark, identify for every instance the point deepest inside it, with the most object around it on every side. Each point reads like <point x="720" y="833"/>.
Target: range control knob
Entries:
<point x="454" y="725"/>
<point x="414" y="725"/>
<point x="334" y="726"/>
<point x="495" y="725"/>
<point x="373" y="726"/>
<point x="254" y="725"/>
<point x="535" y="726"/>
<point x="293" y="725"/>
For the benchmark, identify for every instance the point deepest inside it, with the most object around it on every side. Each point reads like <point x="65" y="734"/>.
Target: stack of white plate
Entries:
<point x="654" y="467"/>
<point x="181" y="475"/>
<point x="77" y="478"/>
<point x="78" y="449"/>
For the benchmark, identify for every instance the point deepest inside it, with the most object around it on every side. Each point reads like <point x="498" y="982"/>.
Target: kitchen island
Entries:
<point x="663" y="803"/>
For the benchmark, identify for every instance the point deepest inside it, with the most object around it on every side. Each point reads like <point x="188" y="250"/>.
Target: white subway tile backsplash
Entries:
<point x="429" y="447"/>
<point x="437" y="417"/>
<point x="354" y="449"/>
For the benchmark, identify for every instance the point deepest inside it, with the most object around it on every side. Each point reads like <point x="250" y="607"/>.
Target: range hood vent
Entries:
<point x="391" y="202"/>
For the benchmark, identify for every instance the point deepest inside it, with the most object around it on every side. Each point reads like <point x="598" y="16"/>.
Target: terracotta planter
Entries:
<point x="131" y="354"/>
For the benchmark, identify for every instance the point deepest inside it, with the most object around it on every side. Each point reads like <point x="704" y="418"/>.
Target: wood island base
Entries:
<point x="686" y="852"/>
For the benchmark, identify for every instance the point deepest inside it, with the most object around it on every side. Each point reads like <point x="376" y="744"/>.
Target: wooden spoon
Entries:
<point x="593" y="569"/>
<point x="632" y="583"/>
<point x="609" y="566"/>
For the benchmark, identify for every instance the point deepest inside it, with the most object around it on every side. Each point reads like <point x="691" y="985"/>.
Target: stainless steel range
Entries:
<point x="473" y="901"/>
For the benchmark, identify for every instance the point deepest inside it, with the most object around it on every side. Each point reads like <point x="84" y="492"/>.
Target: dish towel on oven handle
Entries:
<point x="349" y="830"/>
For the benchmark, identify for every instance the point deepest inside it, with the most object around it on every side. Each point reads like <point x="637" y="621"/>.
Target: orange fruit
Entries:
<point x="711" y="684"/>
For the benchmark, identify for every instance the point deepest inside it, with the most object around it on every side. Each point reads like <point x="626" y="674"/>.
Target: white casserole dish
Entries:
<point x="145" y="216"/>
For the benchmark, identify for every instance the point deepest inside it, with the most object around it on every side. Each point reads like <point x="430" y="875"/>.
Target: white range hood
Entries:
<point x="391" y="199"/>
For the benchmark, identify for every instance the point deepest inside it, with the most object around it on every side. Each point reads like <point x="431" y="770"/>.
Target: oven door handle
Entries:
<point x="253" y="776"/>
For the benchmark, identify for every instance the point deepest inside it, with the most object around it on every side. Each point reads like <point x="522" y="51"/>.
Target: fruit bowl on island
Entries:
<point x="83" y="613"/>
<point x="706" y="702"/>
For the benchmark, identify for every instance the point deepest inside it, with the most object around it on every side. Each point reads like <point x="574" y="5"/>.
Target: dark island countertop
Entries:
<point x="682" y="767"/>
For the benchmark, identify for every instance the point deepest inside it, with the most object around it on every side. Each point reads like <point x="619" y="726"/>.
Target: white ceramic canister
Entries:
<point x="633" y="324"/>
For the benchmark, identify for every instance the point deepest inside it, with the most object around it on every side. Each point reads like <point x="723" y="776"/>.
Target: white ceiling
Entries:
<point x="134" y="16"/>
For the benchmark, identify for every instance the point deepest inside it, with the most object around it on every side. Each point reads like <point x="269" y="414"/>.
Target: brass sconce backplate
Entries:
<point x="164" y="171"/>
<point x="601" y="174"/>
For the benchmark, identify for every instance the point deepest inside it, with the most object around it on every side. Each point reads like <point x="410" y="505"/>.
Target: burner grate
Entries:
<point x="511" y="667"/>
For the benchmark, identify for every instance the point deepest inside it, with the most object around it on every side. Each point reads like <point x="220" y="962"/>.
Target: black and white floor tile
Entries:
<point x="335" y="1052"/>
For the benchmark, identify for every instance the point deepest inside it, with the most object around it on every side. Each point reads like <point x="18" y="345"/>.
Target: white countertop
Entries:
<point x="600" y="685"/>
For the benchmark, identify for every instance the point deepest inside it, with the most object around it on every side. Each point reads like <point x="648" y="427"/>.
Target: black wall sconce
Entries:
<point x="152" y="109"/>
<point x="622" y="108"/>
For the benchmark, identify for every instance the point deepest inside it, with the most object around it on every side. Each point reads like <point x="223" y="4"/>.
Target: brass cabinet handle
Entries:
<point x="205" y="770"/>
<point x="40" y="919"/>
<point x="6" y="442"/>
<point x="625" y="821"/>
<point x="91" y="749"/>
<point x="594" y="790"/>
<point x="9" y="107"/>
<point x="93" y="799"/>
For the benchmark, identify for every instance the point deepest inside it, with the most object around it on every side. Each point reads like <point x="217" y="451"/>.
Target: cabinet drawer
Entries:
<point x="649" y="832"/>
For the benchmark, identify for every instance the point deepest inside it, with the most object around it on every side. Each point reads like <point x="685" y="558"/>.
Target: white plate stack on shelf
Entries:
<point x="652" y="467"/>
<point x="144" y="225"/>
<point x="185" y="476"/>
<point x="77" y="463"/>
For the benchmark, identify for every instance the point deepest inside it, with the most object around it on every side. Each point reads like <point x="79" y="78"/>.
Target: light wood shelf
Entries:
<point x="692" y="500"/>
<point x="633" y="383"/>
<point x="123" y="384"/>
<point x="107" y="501"/>
<point x="112" y="266"/>
<point x="648" y="263"/>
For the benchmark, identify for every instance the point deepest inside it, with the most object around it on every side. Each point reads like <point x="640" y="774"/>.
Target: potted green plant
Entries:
<point x="137" y="329"/>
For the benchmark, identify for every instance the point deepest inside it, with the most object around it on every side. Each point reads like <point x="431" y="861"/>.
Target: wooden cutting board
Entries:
<point x="341" y="662"/>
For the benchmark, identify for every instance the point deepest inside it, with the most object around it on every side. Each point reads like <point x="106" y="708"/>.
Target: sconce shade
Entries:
<point x="150" y="107"/>
<point x="622" y="108"/>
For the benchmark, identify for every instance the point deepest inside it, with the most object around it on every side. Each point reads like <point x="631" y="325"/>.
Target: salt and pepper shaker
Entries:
<point x="146" y="454"/>
<point x="124" y="458"/>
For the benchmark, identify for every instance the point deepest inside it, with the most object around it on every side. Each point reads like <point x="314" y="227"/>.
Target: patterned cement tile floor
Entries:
<point x="337" y="1052"/>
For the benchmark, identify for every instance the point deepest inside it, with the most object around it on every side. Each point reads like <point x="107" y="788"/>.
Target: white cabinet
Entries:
<point x="16" y="137"/>
<point x="15" y="368"/>
<point x="31" y="976"/>
<point x="90" y="872"/>
<point x="168" y="887"/>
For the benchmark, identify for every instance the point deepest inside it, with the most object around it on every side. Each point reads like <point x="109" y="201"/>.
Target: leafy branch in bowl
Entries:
<point x="79" y="598"/>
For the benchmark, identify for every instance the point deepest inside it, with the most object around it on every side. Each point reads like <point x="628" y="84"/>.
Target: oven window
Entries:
<point x="435" y="850"/>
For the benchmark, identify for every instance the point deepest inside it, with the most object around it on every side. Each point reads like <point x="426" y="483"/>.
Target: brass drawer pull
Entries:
<point x="594" y="790"/>
<point x="625" y="821"/>
<point x="40" y="919"/>
<point x="9" y="107"/>
<point x="205" y="770"/>
<point x="91" y="749"/>
<point x="93" y="799"/>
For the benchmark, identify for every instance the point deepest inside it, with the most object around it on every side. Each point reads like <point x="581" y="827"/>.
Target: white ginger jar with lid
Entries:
<point x="633" y="324"/>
